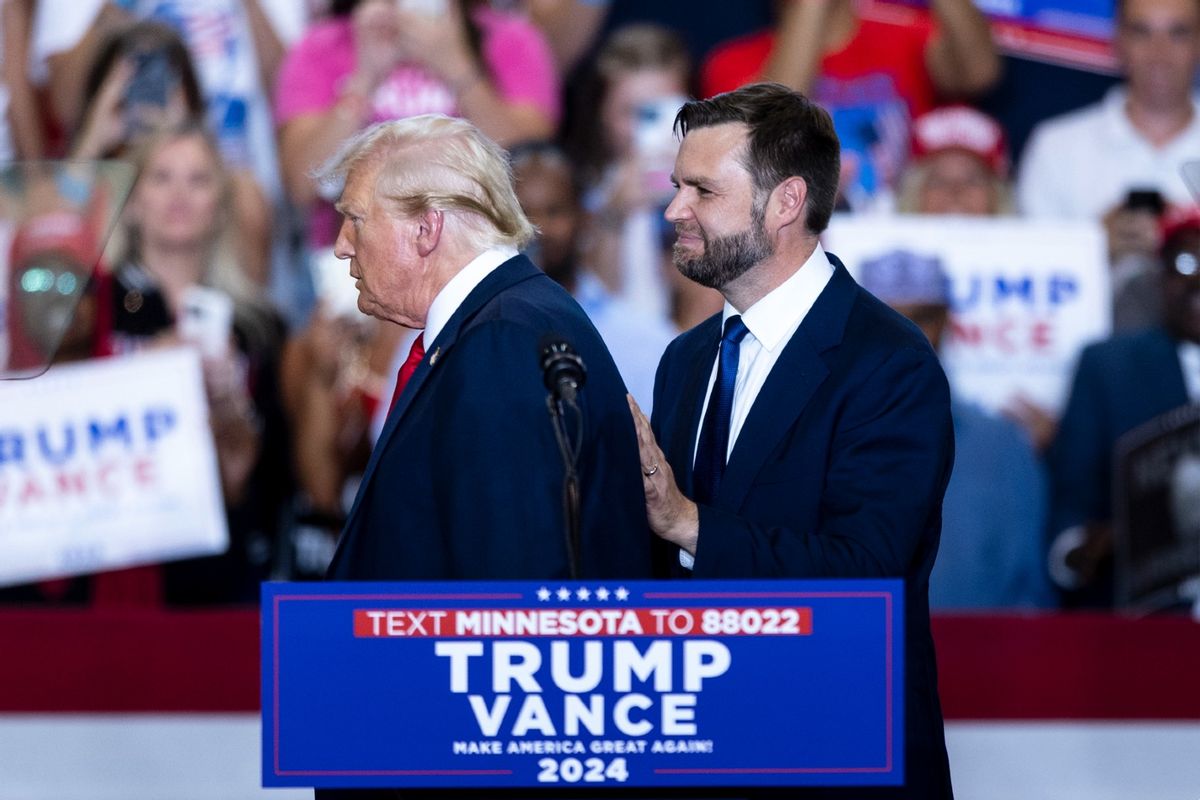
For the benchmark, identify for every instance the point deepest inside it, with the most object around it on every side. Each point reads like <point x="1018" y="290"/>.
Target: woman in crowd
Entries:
<point x="374" y="60"/>
<point x="143" y="79"/>
<point x="959" y="165"/>
<point x="179" y="233"/>
<point x="623" y="141"/>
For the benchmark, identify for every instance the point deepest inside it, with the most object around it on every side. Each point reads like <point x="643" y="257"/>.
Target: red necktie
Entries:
<point x="415" y="354"/>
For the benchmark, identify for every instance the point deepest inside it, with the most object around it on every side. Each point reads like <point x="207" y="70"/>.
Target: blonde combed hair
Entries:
<point x="439" y="163"/>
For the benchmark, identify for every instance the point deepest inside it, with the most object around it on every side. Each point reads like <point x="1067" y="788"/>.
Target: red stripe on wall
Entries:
<point x="1068" y="666"/>
<point x="57" y="660"/>
<point x="1053" y="666"/>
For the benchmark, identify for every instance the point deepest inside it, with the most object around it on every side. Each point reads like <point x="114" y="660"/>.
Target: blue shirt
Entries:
<point x="635" y="339"/>
<point x="992" y="553"/>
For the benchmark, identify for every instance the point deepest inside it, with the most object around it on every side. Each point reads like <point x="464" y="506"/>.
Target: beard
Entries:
<point x="727" y="258"/>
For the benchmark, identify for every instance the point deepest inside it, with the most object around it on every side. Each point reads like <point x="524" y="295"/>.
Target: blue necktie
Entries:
<point x="714" y="433"/>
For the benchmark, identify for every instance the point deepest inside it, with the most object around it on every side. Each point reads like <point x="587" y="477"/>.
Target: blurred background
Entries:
<point x="1016" y="179"/>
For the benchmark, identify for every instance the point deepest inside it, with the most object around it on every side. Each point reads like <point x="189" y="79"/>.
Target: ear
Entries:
<point x="786" y="205"/>
<point x="430" y="231"/>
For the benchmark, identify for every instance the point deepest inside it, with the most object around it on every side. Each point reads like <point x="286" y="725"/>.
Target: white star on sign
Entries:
<point x="582" y="593"/>
<point x="543" y="594"/>
<point x="622" y="593"/>
<point x="564" y="593"/>
<point x="602" y="593"/>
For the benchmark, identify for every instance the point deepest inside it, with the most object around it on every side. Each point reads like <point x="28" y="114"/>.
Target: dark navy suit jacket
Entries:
<point x="1119" y="384"/>
<point x="465" y="481"/>
<point x="838" y="472"/>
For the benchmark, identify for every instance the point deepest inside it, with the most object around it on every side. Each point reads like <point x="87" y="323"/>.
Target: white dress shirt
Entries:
<point x="771" y="322"/>
<point x="455" y="292"/>
<point x="1081" y="164"/>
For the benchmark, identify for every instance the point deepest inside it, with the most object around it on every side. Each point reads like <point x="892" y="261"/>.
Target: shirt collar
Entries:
<point x="462" y="284"/>
<point x="774" y="317"/>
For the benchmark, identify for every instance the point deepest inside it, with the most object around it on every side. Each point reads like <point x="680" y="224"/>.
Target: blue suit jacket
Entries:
<point x="838" y="472"/>
<point x="465" y="481"/>
<point x="1119" y="384"/>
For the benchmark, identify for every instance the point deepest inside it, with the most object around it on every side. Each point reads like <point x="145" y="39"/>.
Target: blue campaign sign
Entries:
<point x="503" y="684"/>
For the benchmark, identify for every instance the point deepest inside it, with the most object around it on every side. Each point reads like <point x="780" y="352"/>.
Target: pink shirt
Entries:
<point x="514" y="52"/>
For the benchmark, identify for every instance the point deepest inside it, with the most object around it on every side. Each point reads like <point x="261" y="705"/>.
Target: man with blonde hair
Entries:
<point x="466" y="479"/>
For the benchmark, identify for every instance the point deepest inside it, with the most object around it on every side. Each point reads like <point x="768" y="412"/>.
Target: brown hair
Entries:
<point x="790" y="135"/>
<point x="641" y="46"/>
<point x="145" y="36"/>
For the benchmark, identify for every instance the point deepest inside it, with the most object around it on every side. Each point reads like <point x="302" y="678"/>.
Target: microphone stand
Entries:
<point x="569" y="450"/>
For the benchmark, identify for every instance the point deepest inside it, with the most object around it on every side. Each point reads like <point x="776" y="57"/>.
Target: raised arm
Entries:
<point x="962" y="58"/>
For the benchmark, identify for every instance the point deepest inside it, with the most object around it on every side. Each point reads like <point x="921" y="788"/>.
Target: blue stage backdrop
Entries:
<point x="697" y="683"/>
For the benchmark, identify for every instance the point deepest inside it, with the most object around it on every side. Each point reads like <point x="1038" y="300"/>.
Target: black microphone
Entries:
<point x="563" y="371"/>
<point x="564" y="375"/>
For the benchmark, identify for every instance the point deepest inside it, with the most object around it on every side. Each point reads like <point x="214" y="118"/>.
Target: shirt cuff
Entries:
<point x="686" y="559"/>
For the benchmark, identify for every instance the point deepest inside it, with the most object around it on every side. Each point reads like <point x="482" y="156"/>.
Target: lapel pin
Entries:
<point x="433" y="359"/>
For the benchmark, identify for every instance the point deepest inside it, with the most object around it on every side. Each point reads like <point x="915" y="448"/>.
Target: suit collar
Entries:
<point x="774" y="318"/>
<point x="825" y="325"/>
<point x="698" y="358"/>
<point x="459" y="288"/>
<point x="793" y="380"/>
<point x="511" y="272"/>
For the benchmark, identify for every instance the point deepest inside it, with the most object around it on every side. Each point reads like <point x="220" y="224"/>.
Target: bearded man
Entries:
<point x="805" y="430"/>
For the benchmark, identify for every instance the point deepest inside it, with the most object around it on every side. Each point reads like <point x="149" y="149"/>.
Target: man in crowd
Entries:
<point x="805" y="431"/>
<point x="1120" y="384"/>
<point x="466" y="480"/>
<point x="1119" y="160"/>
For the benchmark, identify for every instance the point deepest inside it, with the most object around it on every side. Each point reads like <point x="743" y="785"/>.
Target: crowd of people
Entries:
<point x="228" y="110"/>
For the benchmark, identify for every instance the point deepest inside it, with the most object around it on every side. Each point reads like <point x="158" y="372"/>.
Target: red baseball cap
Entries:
<point x="961" y="128"/>
<point x="66" y="234"/>
<point x="1178" y="219"/>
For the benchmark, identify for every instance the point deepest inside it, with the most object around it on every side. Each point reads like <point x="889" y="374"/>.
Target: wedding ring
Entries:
<point x="651" y="471"/>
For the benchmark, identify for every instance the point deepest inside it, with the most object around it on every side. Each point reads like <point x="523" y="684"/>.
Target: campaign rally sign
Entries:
<point x="1025" y="296"/>
<point x="106" y="464"/>
<point x="1071" y="33"/>
<point x="576" y="684"/>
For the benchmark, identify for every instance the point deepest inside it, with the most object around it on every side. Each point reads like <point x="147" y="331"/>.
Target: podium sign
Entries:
<point x="576" y="684"/>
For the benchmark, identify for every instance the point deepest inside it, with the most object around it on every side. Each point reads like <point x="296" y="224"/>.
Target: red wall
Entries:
<point x="1052" y="666"/>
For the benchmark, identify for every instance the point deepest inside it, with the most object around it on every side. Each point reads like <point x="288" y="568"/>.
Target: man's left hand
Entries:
<point x="671" y="515"/>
